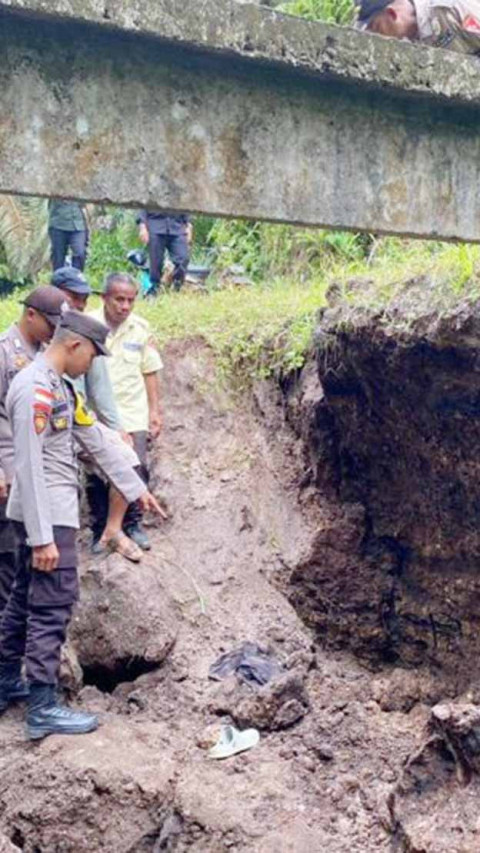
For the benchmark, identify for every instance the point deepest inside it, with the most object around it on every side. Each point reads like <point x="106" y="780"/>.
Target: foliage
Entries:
<point x="331" y="11"/>
<point x="109" y="245"/>
<point x="23" y="236"/>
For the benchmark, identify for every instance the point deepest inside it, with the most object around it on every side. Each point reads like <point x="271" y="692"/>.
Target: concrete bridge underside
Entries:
<point x="232" y="110"/>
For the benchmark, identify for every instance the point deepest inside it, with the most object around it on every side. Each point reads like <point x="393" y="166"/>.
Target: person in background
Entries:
<point x="452" y="24"/>
<point x="67" y="229"/>
<point x="49" y="420"/>
<point x="134" y="369"/>
<point x="95" y="385"/>
<point x="18" y="347"/>
<point x="163" y="232"/>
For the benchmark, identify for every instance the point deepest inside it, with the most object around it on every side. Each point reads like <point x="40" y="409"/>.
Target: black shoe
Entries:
<point x="12" y="686"/>
<point x="139" y="536"/>
<point x="47" y="717"/>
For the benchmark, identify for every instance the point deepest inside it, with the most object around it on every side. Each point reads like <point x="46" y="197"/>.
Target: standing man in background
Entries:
<point x="134" y="369"/>
<point x="452" y="24"/>
<point x="18" y="347"/>
<point x="67" y="228"/>
<point x="162" y="233"/>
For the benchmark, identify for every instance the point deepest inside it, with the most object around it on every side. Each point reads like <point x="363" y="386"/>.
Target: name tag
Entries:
<point x="132" y="347"/>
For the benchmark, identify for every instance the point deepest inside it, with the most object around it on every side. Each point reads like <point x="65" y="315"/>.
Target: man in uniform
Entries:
<point x="452" y="24"/>
<point x="164" y="232"/>
<point x="97" y="390"/>
<point x="134" y="369"/>
<point x="18" y="347"/>
<point x="47" y="416"/>
<point x="67" y="228"/>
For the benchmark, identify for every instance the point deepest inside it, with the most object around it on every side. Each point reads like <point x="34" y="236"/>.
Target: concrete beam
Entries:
<point x="233" y="110"/>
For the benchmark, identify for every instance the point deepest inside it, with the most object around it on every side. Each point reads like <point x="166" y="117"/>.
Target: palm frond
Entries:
<point x="24" y="235"/>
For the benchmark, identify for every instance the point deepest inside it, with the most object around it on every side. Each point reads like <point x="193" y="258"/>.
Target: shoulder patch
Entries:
<point x="42" y="400"/>
<point x="40" y="420"/>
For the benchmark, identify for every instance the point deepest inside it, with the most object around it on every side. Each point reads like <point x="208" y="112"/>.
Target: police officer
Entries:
<point x="452" y="24"/>
<point x="67" y="228"/>
<point x="18" y="347"/>
<point x="48" y="418"/>
<point x="164" y="232"/>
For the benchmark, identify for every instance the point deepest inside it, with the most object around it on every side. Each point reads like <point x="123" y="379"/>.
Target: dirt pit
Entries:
<point x="336" y="732"/>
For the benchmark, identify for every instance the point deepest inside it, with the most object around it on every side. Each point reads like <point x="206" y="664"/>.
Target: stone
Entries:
<point x="276" y="706"/>
<point x="125" y="622"/>
<point x="367" y="115"/>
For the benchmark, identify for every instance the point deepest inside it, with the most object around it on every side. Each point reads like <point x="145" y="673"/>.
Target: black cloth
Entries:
<point x="8" y="556"/>
<point x="35" y="620"/>
<point x="177" y="247"/>
<point x="8" y="538"/>
<point x="61" y="241"/>
<point x="250" y="663"/>
<point x="8" y="570"/>
<point x="97" y="491"/>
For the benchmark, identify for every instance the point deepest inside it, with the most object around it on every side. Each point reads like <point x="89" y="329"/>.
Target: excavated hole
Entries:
<point x="127" y="670"/>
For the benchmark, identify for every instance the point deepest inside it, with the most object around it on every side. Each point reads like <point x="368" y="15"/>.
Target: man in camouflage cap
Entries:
<point x="452" y="24"/>
<point x="49" y="418"/>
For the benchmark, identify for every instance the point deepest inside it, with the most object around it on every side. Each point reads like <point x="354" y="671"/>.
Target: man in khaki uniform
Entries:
<point x="451" y="24"/>
<point x="134" y="369"/>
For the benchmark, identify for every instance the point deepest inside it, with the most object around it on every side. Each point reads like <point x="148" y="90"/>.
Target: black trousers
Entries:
<point x="8" y="556"/>
<point x="177" y="247"/>
<point x="98" y="492"/>
<point x="35" y="620"/>
<point x="62" y="241"/>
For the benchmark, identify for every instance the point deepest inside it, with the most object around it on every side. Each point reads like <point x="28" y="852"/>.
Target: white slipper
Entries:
<point x="231" y="742"/>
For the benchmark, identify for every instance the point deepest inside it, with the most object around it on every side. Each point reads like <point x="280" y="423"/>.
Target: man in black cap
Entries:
<point x="452" y="24"/>
<point x="18" y="347"/>
<point x="67" y="228"/>
<point x="164" y="232"/>
<point x="74" y="284"/>
<point x="96" y="387"/>
<point x="48" y="419"/>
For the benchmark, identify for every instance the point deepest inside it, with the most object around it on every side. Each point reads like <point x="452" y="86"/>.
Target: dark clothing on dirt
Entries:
<point x="250" y="663"/>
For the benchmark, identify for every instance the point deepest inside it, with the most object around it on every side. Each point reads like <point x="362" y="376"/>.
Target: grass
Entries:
<point x="267" y="328"/>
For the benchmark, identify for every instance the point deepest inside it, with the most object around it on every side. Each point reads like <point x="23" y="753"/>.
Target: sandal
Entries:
<point x="121" y="544"/>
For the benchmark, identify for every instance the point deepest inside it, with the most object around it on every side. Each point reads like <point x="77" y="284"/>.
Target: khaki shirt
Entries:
<point x="451" y="24"/>
<point x="132" y="357"/>
<point x="15" y="354"/>
<point x="49" y="424"/>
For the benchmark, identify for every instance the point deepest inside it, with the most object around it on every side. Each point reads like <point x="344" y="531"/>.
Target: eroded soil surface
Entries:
<point x="344" y="761"/>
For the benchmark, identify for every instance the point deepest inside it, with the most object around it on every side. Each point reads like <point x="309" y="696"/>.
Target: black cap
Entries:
<point x="49" y="301"/>
<point x="69" y="278"/>
<point x="87" y="327"/>
<point x="368" y="8"/>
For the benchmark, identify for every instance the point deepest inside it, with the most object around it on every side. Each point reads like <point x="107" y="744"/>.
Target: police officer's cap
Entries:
<point x="69" y="278"/>
<point x="368" y="8"/>
<point x="48" y="301"/>
<point x="87" y="327"/>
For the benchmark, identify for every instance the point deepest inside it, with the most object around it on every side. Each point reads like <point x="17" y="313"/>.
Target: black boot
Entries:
<point x="47" y="717"/>
<point x="12" y="686"/>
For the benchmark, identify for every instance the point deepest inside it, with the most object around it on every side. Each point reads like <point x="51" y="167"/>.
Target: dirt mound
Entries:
<point x="255" y="514"/>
